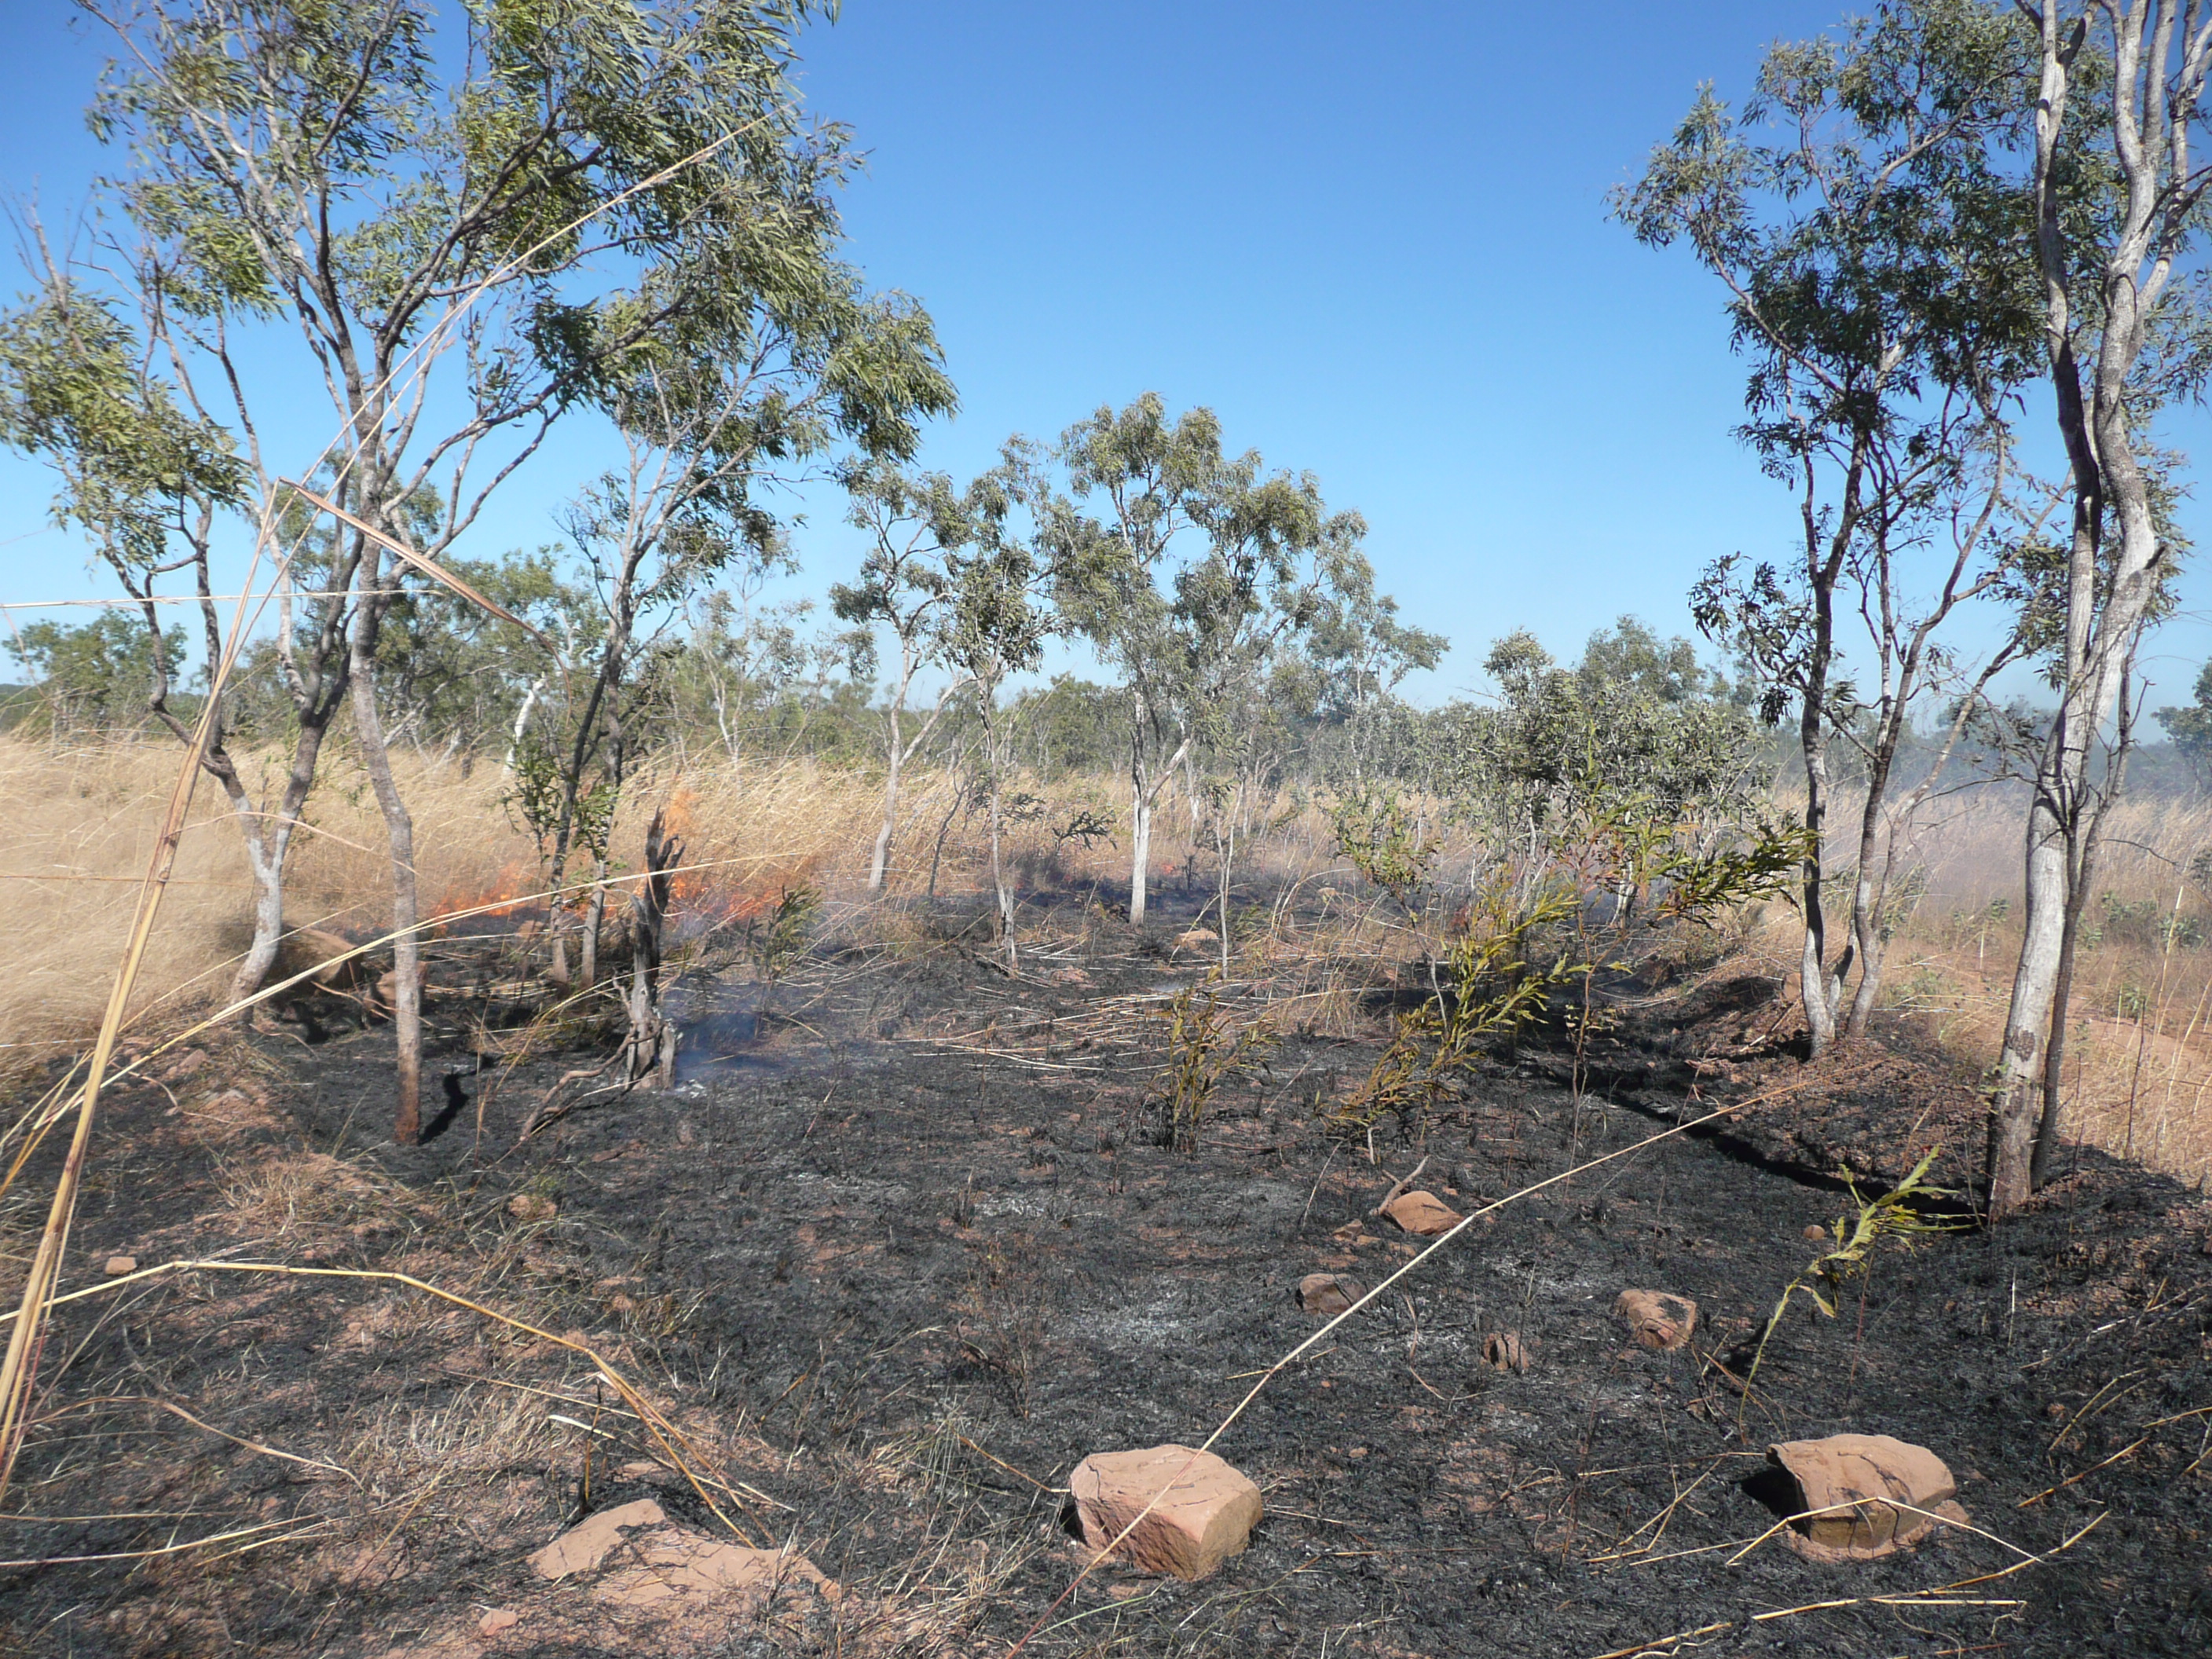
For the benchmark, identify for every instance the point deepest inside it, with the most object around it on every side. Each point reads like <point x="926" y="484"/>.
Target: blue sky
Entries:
<point x="1374" y="239"/>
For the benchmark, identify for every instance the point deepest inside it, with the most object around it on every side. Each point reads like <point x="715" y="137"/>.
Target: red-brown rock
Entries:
<point x="1327" y="1295"/>
<point x="1656" y="1319"/>
<point x="1503" y="1351"/>
<point x="1205" y="1511"/>
<point x="1423" y="1214"/>
<point x="1863" y="1495"/>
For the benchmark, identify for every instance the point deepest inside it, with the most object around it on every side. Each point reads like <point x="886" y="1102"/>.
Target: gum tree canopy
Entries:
<point x="446" y="227"/>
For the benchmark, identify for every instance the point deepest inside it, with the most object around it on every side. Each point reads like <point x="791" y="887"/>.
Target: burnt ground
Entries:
<point x="897" y="1254"/>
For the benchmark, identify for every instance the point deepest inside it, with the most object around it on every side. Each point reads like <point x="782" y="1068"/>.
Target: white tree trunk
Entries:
<point x="879" y="862"/>
<point x="406" y="945"/>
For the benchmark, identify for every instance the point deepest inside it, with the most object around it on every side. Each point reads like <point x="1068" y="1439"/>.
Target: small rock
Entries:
<point x="1816" y="1230"/>
<point x="497" y="1619"/>
<point x="1504" y="1351"/>
<point x="672" y="1562"/>
<point x="1206" y="1515"/>
<point x="187" y="1065"/>
<point x="1844" y="1481"/>
<point x="532" y="1207"/>
<point x="1422" y="1213"/>
<point x="584" y="1544"/>
<point x="120" y="1265"/>
<point x="1656" y="1319"/>
<point x="1327" y="1295"/>
<point x="1196" y="939"/>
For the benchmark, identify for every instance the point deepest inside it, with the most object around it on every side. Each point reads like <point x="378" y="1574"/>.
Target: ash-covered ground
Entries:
<point x="902" y="1247"/>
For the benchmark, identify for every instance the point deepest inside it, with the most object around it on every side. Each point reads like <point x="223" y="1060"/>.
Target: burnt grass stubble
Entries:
<point x="866" y="1258"/>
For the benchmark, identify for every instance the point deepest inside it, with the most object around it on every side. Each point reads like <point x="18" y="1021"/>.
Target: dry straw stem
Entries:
<point x="665" y="1433"/>
<point x="1413" y="1266"/>
<point x="1942" y="1596"/>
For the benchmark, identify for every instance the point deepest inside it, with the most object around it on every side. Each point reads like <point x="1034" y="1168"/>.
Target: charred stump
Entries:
<point x="650" y="1044"/>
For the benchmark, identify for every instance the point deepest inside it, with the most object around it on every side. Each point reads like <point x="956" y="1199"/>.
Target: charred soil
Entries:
<point x="903" y="1245"/>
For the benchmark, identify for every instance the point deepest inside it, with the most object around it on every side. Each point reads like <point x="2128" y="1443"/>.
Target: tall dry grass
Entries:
<point x="2139" y="1038"/>
<point x="76" y="823"/>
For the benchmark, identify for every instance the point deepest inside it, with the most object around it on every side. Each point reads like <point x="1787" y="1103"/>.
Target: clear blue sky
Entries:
<point x="1373" y="239"/>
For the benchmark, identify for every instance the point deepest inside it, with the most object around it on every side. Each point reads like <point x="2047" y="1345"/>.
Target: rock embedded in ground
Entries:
<point x="498" y="1620"/>
<point x="584" y="1544"/>
<point x="671" y="1561"/>
<point x="1504" y="1351"/>
<point x="1197" y="938"/>
<point x="1865" y="1494"/>
<point x="1204" y="1513"/>
<point x="652" y="1562"/>
<point x="1327" y="1295"/>
<point x="1656" y="1319"/>
<point x="531" y="1206"/>
<point x="120" y="1265"/>
<point x="1423" y="1214"/>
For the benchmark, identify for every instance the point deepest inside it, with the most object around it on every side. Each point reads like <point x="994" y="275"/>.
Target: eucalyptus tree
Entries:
<point x="1000" y="617"/>
<point x="917" y="528"/>
<point x="746" y="393"/>
<point x="455" y="218"/>
<point x="1159" y="482"/>
<point x="1195" y="569"/>
<point x="2116" y="98"/>
<point x="95" y="677"/>
<point x="1876" y="262"/>
<point x="1358" y="653"/>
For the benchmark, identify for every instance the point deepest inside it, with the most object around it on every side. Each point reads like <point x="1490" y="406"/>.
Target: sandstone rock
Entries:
<point x="1205" y="1511"/>
<point x="1656" y="1319"/>
<point x="1422" y="1213"/>
<point x="1505" y="1352"/>
<point x="497" y="1619"/>
<point x="1816" y="1230"/>
<point x="326" y="957"/>
<point x="189" y="1064"/>
<point x="120" y="1265"/>
<point x="660" y="1561"/>
<point x="1197" y="938"/>
<point x="669" y="1562"/>
<point x="531" y="1206"/>
<point x="1844" y="1479"/>
<point x="1327" y="1295"/>
<point x="584" y="1544"/>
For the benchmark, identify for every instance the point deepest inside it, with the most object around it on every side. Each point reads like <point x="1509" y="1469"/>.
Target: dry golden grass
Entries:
<point x="78" y="825"/>
<point x="2139" y="1055"/>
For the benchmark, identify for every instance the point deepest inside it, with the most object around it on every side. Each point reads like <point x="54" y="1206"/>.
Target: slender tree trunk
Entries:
<point x="399" y="832"/>
<point x="1869" y="897"/>
<point x="652" y="1044"/>
<point x="2086" y="843"/>
<point x="879" y="861"/>
<point x="595" y="915"/>
<point x="997" y="868"/>
<point x="1140" y="856"/>
<point x="1819" y="1000"/>
<point x="2035" y="988"/>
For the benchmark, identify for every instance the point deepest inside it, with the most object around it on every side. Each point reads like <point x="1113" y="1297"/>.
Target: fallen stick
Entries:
<point x="1399" y="1188"/>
